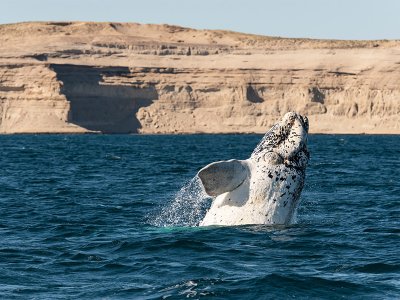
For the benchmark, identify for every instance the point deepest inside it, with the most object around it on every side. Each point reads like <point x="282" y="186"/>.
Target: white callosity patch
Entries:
<point x="273" y="179"/>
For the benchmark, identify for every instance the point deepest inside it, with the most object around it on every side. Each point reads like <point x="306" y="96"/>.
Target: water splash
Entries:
<point x="295" y="217"/>
<point x="188" y="207"/>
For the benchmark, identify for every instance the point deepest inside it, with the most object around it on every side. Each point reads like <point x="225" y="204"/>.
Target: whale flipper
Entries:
<point x="223" y="176"/>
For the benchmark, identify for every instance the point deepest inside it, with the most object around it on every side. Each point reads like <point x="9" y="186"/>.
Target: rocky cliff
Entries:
<point x="128" y="78"/>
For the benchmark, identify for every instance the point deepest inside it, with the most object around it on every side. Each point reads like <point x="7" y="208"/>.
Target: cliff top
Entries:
<point x="38" y="34"/>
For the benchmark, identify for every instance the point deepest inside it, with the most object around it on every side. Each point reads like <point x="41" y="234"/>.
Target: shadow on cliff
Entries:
<point x="107" y="107"/>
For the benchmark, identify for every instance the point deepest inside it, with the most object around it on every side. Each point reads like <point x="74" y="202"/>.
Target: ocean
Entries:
<point x="114" y="217"/>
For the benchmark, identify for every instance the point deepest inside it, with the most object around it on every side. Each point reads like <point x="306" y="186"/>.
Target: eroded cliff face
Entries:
<point x="130" y="78"/>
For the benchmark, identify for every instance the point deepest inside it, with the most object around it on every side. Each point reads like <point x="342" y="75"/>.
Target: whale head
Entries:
<point x="265" y="188"/>
<point x="285" y="143"/>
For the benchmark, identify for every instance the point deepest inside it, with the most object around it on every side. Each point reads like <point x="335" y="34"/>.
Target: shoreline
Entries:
<point x="185" y="133"/>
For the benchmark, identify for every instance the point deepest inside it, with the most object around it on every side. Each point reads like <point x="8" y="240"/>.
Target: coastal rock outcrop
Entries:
<point x="135" y="78"/>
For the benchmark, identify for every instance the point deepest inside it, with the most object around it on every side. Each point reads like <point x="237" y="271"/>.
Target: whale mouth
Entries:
<point x="287" y="139"/>
<point x="304" y="122"/>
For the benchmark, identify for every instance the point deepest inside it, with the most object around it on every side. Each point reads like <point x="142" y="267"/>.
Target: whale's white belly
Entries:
<point x="232" y="208"/>
<point x="264" y="200"/>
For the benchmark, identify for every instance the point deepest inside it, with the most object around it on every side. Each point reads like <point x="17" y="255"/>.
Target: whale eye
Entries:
<point x="273" y="158"/>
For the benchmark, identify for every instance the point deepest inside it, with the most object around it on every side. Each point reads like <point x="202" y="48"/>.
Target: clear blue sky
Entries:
<point x="338" y="19"/>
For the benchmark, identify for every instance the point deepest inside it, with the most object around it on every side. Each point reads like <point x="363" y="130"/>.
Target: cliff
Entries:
<point x="129" y="78"/>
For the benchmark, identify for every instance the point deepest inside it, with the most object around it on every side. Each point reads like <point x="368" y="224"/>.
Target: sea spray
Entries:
<point x="187" y="208"/>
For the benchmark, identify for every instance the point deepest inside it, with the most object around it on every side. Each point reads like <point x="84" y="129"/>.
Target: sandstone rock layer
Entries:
<point x="134" y="78"/>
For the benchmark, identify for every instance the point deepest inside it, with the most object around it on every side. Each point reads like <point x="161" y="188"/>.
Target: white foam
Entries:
<point x="186" y="209"/>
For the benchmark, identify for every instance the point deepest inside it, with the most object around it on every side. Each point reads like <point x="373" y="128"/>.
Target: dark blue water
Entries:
<point x="77" y="214"/>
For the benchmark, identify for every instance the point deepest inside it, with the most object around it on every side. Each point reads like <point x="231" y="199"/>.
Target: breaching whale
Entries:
<point x="265" y="188"/>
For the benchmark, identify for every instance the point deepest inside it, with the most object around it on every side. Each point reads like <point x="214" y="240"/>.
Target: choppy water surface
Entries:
<point x="84" y="216"/>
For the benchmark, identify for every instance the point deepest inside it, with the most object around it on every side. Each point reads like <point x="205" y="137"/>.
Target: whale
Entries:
<point x="266" y="187"/>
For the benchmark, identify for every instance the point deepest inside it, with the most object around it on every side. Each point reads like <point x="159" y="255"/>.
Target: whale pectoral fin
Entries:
<point x="223" y="176"/>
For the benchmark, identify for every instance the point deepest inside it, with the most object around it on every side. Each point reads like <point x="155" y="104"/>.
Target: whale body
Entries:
<point x="265" y="188"/>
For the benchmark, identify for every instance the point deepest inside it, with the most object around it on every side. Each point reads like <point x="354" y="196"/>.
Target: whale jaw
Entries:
<point x="287" y="139"/>
<point x="264" y="189"/>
